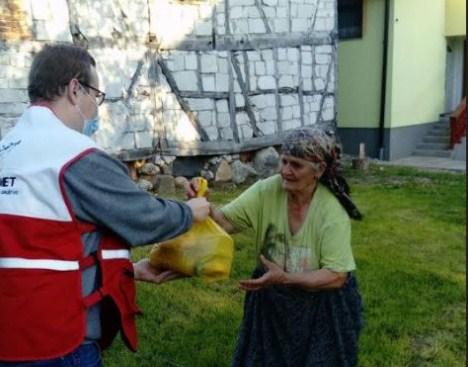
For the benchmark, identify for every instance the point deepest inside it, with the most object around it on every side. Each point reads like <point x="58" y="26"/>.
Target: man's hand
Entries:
<point x="200" y="208"/>
<point x="145" y="272"/>
<point x="274" y="275"/>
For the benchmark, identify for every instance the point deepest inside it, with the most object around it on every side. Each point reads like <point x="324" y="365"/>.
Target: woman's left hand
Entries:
<point x="274" y="275"/>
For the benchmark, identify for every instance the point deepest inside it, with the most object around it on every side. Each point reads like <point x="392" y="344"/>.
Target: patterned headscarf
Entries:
<point x="318" y="145"/>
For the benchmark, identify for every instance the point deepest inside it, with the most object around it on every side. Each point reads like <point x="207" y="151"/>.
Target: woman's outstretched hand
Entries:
<point x="274" y="275"/>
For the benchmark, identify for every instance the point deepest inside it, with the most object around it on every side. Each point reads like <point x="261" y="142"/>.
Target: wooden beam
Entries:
<point x="247" y="43"/>
<point x="222" y="147"/>
<point x="185" y="107"/>
<point x="248" y="106"/>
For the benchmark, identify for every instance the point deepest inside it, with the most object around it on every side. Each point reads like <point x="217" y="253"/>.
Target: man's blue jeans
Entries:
<point x="86" y="355"/>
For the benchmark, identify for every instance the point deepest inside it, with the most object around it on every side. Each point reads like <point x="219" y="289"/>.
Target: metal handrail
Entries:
<point x="458" y="124"/>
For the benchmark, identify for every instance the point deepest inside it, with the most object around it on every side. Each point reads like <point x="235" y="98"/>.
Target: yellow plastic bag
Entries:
<point x="206" y="250"/>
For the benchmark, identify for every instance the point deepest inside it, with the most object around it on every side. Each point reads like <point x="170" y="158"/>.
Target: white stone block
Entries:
<point x="320" y="25"/>
<point x="224" y="119"/>
<point x="266" y="82"/>
<point x="220" y="19"/>
<point x="12" y="109"/>
<point x="260" y="68"/>
<point x="191" y="61"/>
<point x="223" y="66"/>
<point x="315" y="103"/>
<point x="288" y="100"/>
<point x="4" y="59"/>
<point x="205" y="118"/>
<point x="310" y="118"/>
<point x="20" y="83"/>
<point x="322" y="59"/>
<point x="267" y="55"/>
<point x="319" y="84"/>
<point x="204" y="28"/>
<point x="212" y="133"/>
<point x="256" y="26"/>
<point x="40" y="10"/>
<point x="242" y="118"/>
<point x="281" y="25"/>
<point x="240" y="26"/>
<point x="293" y="54"/>
<point x="291" y="124"/>
<point x="243" y="2"/>
<point x="294" y="11"/>
<point x="286" y="81"/>
<point x="307" y="84"/>
<point x="208" y="83"/>
<point x="267" y="127"/>
<point x="321" y="71"/>
<point x="246" y="131"/>
<point x="270" y="13"/>
<point x="282" y="54"/>
<point x="222" y="106"/>
<point x="200" y="104"/>
<point x="270" y="2"/>
<point x="285" y="67"/>
<point x="306" y="10"/>
<point x="239" y="100"/>
<point x="236" y="12"/>
<point x="226" y="133"/>
<point x="253" y="82"/>
<point x="323" y="49"/>
<point x="306" y="71"/>
<point x="252" y="12"/>
<point x="268" y="113"/>
<point x="177" y="63"/>
<point x="264" y="100"/>
<point x="328" y="114"/>
<point x="253" y="56"/>
<point x="13" y="95"/>
<point x="282" y="12"/>
<point x="286" y="113"/>
<point x="270" y="67"/>
<point x="186" y="80"/>
<point x="307" y="57"/>
<point x="209" y="63"/>
<point x="296" y="111"/>
<point x="299" y="25"/>
<point x="139" y="123"/>
<point x="329" y="102"/>
<point x="128" y="141"/>
<point x="222" y="82"/>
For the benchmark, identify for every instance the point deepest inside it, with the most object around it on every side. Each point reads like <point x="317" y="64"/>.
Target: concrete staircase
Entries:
<point x="436" y="142"/>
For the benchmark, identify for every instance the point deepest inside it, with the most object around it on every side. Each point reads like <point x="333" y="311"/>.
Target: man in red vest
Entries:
<point x="69" y="215"/>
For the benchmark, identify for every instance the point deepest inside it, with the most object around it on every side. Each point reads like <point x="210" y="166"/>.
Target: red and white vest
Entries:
<point x="42" y="311"/>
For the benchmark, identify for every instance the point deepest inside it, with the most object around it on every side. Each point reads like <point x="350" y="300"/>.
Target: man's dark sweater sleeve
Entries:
<point x="101" y="192"/>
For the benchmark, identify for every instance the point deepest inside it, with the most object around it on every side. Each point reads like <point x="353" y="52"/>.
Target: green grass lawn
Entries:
<point x="410" y="253"/>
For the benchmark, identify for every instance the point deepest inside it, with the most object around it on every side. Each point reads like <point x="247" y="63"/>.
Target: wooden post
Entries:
<point x="361" y="162"/>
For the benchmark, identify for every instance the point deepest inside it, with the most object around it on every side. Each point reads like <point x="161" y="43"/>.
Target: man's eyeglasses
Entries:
<point x="100" y="96"/>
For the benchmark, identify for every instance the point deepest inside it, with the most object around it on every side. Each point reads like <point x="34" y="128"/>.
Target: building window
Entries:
<point x="349" y="19"/>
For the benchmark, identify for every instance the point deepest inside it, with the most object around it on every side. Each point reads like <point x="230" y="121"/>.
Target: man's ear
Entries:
<point x="72" y="91"/>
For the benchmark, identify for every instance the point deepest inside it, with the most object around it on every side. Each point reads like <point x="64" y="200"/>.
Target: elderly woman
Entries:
<point x="302" y="307"/>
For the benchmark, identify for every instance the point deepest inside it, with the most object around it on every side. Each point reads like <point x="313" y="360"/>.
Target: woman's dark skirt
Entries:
<point x="290" y="327"/>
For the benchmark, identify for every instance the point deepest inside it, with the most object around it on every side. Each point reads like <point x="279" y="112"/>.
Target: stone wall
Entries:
<point x="184" y="77"/>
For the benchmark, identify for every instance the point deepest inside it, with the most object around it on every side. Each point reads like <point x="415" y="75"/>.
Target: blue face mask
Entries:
<point x="91" y="126"/>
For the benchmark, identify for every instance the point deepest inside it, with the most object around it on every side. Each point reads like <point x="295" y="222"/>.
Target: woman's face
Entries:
<point x="298" y="174"/>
